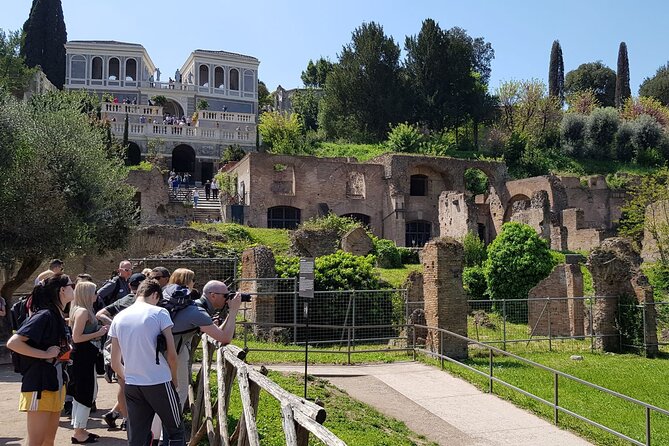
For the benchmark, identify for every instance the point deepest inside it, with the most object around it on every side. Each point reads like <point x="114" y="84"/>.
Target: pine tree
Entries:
<point x="622" y="76"/>
<point x="45" y="39"/>
<point x="556" y="72"/>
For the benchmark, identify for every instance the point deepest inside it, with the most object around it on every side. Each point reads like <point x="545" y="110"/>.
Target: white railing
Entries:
<point x="182" y="131"/>
<point x="184" y="86"/>
<point x="146" y="110"/>
<point x="246" y="118"/>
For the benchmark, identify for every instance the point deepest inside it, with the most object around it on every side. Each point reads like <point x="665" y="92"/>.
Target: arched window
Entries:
<point x="131" y="70"/>
<point x="96" y="68"/>
<point x="78" y="67"/>
<point x="249" y="81"/>
<point x="283" y="217"/>
<point x="363" y="219"/>
<point x="204" y="76"/>
<point x="418" y="233"/>
<point x="114" y="69"/>
<point x="234" y="79"/>
<point x="219" y="78"/>
<point x="418" y="187"/>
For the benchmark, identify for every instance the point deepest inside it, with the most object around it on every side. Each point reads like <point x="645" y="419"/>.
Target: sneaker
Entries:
<point x="94" y="408"/>
<point x="110" y="418"/>
<point x="124" y="425"/>
<point x="67" y="409"/>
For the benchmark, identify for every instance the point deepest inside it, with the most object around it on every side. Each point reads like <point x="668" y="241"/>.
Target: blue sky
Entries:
<point x="285" y="35"/>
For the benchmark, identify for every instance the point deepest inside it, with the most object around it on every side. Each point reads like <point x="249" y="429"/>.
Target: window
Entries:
<point x="78" y="67"/>
<point x="418" y="186"/>
<point x="249" y="81"/>
<point x="219" y="77"/>
<point x="234" y="79"/>
<point x="360" y="218"/>
<point x="131" y="70"/>
<point x="114" y="69"/>
<point x="96" y="68"/>
<point x="283" y="217"/>
<point x="418" y="233"/>
<point x="204" y="76"/>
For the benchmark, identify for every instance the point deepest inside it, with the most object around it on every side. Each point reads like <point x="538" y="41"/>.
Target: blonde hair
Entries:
<point x="48" y="274"/>
<point x="182" y="276"/>
<point x="84" y="292"/>
<point x="146" y="271"/>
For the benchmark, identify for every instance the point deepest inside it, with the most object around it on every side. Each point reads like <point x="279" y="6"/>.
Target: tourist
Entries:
<point x="116" y="287"/>
<point x="40" y="341"/>
<point x="214" y="189"/>
<point x="196" y="198"/>
<point x="161" y="274"/>
<point x="86" y="334"/>
<point x="150" y="377"/>
<point x="56" y="266"/>
<point x="207" y="189"/>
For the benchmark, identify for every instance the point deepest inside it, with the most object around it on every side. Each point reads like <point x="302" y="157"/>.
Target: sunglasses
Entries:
<point x="71" y="285"/>
<point x="126" y="269"/>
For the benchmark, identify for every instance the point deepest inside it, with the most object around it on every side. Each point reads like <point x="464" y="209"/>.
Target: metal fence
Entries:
<point x="662" y="312"/>
<point x="205" y="269"/>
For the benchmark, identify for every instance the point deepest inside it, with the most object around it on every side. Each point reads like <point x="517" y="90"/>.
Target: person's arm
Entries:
<point x="80" y="319"/>
<point x="104" y="316"/>
<point x="226" y="331"/>
<point x="19" y="344"/>
<point x="106" y="290"/>
<point x="116" y="356"/>
<point x="171" y="354"/>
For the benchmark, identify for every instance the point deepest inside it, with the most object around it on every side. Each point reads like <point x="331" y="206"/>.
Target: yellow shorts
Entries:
<point x="51" y="401"/>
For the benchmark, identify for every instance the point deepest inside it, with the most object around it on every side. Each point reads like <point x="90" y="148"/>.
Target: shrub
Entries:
<point x="387" y="254"/>
<point x="572" y="133"/>
<point x="600" y="132"/>
<point x="338" y="271"/>
<point x="625" y="150"/>
<point x="476" y="181"/>
<point x="475" y="252"/>
<point x="647" y="133"/>
<point x="404" y="138"/>
<point x="629" y="322"/>
<point x="518" y="259"/>
<point x="408" y="256"/>
<point x="474" y="282"/>
<point x="513" y="150"/>
<point x="330" y="222"/>
<point x="233" y="153"/>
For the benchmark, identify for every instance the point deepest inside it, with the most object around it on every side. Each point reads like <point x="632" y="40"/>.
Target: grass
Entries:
<point x="362" y="152"/>
<point x="240" y="237"/>
<point x="348" y="419"/>
<point x="396" y="277"/>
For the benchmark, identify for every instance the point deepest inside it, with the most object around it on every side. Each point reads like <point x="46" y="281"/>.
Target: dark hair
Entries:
<point x="148" y="287"/>
<point x="46" y="295"/>
<point x="83" y="277"/>
<point x="164" y="272"/>
<point x="56" y="262"/>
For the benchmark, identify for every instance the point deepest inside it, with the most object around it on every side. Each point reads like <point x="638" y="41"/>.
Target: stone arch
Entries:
<point x="133" y="154"/>
<point x="363" y="219"/>
<point x="437" y="181"/>
<point x="234" y="79"/>
<point x="283" y="217"/>
<point x="183" y="159"/>
<point x="473" y="180"/>
<point x="219" y="77"/>
<point x="173" y="108"/>
<point x="131" y="69"/>
<point x="114" y="69"/>
<point x="96" y="68"/>
<point x="508" y="210"/>
<point x="203" y="75"/>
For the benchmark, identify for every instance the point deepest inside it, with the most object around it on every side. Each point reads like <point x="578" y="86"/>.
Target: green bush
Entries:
<point x="387" y="254"/>
<point x="625" y="150"/>
<point x="475" y="252"/>
<point x="518" y="259"/>
<point x="602" y="125"/>
<point x="404" y="137"/>
<point x="330" y="222"/>
<point x="338" y="271"/>
<point x="629" y="322"/>
<point x="474" y="282"/>
<point x="476" y="181"/>
<point x="408" y="256"/>
<point x="572" y="133"/>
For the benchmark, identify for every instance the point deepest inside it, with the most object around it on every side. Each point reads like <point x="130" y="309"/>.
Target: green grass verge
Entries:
<point x="240" y="237"/>
<point x="362" y="152"/>
<point x="396" y="277"/>
<point x="350" y="420"/>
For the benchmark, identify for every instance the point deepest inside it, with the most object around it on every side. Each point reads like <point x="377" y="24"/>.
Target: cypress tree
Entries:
<point x="622" y="76"/>
<point x="556" y="72"/>
<point x="125" y="132"/>
<point x="45" y="39"/>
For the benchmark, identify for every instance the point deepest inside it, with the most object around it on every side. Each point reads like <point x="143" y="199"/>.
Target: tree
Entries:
<point x="316" y="73"/>
<point x="305" y="104"/>
<point x="593" y="76"/>
<point x="264" y="96"/>
<point x="404" y="138"/>
<point x="14" y="74"/>
<point x="556" y="73"/>
<point x="60" y="192"/>
<point x="623" y="90"/>
<point x="45" y="39"/>
<point x="518" y="259"/>
<point x="124" y="143"/>
<point x="282" y="132"/>
<point x="657" y="86"/>
<point x="600" y="132"/>
<point x="364" y="91"/>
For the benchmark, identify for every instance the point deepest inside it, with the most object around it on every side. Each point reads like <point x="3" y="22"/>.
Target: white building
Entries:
<point x="228" y="82"/>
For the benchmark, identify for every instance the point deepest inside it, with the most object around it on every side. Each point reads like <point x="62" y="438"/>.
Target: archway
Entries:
<point x="173" y="108"/>
<point x="183" y="159"/>
<point x="363" y="219"/>
<point x="516" y="201"/>
<point x="133" y="154"/>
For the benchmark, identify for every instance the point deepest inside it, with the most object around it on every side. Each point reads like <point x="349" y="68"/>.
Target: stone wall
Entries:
<point x="458" y="215"/>
<point x="154" y="200"/>
<point x="535" y="213"/>
<point x="445" y="302"/>
<point x="556" y="306"/>
<point x="657" y="216"/>
<point x="579" y="236"/>
<point x="258" y="263"/>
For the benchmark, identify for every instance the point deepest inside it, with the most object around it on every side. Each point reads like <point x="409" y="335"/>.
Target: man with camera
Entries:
<point x="196" y="319"/>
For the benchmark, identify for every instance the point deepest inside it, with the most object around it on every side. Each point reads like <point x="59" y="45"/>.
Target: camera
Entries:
<point x="246" y="297"/>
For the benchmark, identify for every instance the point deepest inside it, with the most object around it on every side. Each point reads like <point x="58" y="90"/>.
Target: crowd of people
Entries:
<point x="140" y="327"/>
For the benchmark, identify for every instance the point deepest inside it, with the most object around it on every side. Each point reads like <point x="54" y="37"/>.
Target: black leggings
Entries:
<point x="145" y="401"/>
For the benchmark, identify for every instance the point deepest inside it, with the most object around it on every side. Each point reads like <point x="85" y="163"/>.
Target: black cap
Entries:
<point x="136" y="279"/>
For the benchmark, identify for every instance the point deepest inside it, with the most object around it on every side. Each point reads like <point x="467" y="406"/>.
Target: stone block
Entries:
<point x="357" y="242"/>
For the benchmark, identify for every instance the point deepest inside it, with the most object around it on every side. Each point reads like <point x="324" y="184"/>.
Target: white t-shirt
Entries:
<point x="137" y="328"/>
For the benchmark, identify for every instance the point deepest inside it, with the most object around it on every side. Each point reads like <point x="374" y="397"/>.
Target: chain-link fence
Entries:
<point x="224" y="269"/>
<point x="662" y="311"/>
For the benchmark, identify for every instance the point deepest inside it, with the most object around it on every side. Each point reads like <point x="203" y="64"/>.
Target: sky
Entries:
<point x="284" y="35"/>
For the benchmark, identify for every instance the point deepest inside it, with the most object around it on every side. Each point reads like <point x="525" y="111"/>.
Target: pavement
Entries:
<point x="445" y="409"/>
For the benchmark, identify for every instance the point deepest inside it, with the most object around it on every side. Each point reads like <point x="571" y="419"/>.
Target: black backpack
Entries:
<point x="175" y="298"/>
<point x="18" y="313"/>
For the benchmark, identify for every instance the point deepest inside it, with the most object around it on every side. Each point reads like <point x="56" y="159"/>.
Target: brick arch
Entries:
<point x="440" y="179"/>
<point x="508" y="209"/>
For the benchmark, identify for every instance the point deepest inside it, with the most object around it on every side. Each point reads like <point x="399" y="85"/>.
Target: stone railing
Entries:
<point x="206" y="115"/>
<point x="184" y="132"/>
<point x="131" y="109"/>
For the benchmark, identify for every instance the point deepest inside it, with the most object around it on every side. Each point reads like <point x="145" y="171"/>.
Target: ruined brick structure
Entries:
<point x="257" y="264"/>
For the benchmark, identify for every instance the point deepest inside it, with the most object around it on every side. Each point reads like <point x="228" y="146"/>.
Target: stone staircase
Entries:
<point x="207" y="210"/>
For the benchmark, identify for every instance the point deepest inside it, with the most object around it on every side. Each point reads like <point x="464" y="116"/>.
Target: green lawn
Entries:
<point x="354" y="422"/>
<point x="396" y="277"/>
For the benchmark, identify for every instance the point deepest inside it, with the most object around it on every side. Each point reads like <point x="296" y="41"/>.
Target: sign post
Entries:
<point x="307" y="293"/>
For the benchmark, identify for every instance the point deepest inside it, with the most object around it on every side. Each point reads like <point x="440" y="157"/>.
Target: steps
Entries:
<point x="207" y="210"/>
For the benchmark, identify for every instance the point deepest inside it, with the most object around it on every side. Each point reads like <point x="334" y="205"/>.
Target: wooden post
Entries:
<point x="248" y="434"/>
<point x="288" y="424"/>
<point x="208" y="415"/>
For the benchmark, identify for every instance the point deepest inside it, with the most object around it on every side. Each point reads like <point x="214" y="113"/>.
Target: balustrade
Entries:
<point x="183" y="132"/>
<point x="132" y="109"/>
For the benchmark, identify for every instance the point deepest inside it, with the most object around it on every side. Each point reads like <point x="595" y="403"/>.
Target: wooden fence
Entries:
<point x="301" y="418"/>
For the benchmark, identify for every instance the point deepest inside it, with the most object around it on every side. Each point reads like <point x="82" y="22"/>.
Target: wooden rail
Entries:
<point x="300" y="418"/>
